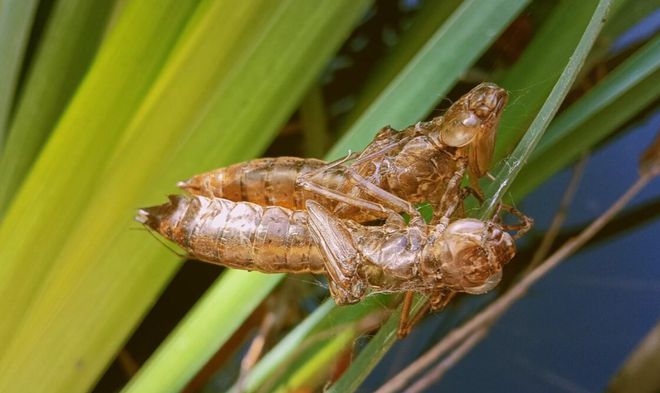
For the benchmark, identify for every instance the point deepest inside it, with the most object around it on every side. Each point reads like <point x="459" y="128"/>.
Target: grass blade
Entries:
<point x="623" y="93"/>
<point x="299" y="346"/>
<point x="64" y="54"/>
<point x="427" y="77"/>
<point x="514" y="163"/>
<point x="314" y="123"/>
<point x="373" y="352"/>
<point x="283" y="352"/>
<point x="178" y="356"/>
<point x="16" y="17"/>
<point x="307" y="373"/>
<point x="536" y="72"/>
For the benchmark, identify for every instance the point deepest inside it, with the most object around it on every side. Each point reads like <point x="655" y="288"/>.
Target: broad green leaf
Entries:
<point x="221" y="96"/>
<point x="65" y="51"/>
<point x="16" y="17"/>
<point x="434" y="69"/>
<point x="57" y="189"/>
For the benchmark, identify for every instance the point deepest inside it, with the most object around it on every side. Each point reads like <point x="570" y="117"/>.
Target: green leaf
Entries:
<point x="16" y="17"/>
<point x="371" y="355"/>
<point x="625" y="91"/>
<point x="284" y="351"/>
<point x="57" y="189"/>
<point x="65" y="51"/>
<point x="314" y="123"/>
<point x="213" y="320"/>
<point x="434" y="69"/>
<point x="537" y="71"/>
<point x="514" y="163"/>
<point x="219" y="97"/>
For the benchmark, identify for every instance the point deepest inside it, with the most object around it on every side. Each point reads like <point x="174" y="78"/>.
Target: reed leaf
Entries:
<point x="16" y="17"/>
<point x="213" y="93"/>
<point x="432" y="71"/>
<point x="65" y="51"/>
<point x="624" y="92"/>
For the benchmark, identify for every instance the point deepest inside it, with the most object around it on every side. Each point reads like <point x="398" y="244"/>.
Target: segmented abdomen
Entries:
<point x="240" y="235"/>
<point x="264" y="181"/>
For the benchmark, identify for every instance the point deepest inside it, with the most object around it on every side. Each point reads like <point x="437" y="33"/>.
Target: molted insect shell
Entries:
<point x="469" y="255"/>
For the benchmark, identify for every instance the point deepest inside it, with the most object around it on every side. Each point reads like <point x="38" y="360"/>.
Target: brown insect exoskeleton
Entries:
<point x="425" y="162"/>
<point x="465" y="256"/>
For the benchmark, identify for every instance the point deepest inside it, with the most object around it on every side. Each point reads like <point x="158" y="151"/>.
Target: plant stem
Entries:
<point x="436" y="373"/>
<point x="560" y="216"/>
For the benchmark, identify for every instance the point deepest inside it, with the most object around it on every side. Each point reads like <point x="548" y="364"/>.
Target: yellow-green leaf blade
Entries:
<point x="222" y="95"/>
<point x="65" y="51"/>
<point x="57" y="189"/>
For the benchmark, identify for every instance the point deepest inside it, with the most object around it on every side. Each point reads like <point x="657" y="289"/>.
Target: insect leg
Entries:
<point x="385" y="196"/>
<point x="437" y="301"/>
<point x="405" y="326"/>
<point x="526" y="222"/>
<point x="341" y="256"/>
<point x="341" y="296"/>
<point x="523" y="227"/>
<point x="307" y="183"/>
<point x="405" y="314"/>
<point x="453" y="196"/>
<point x="440" y="298"/>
